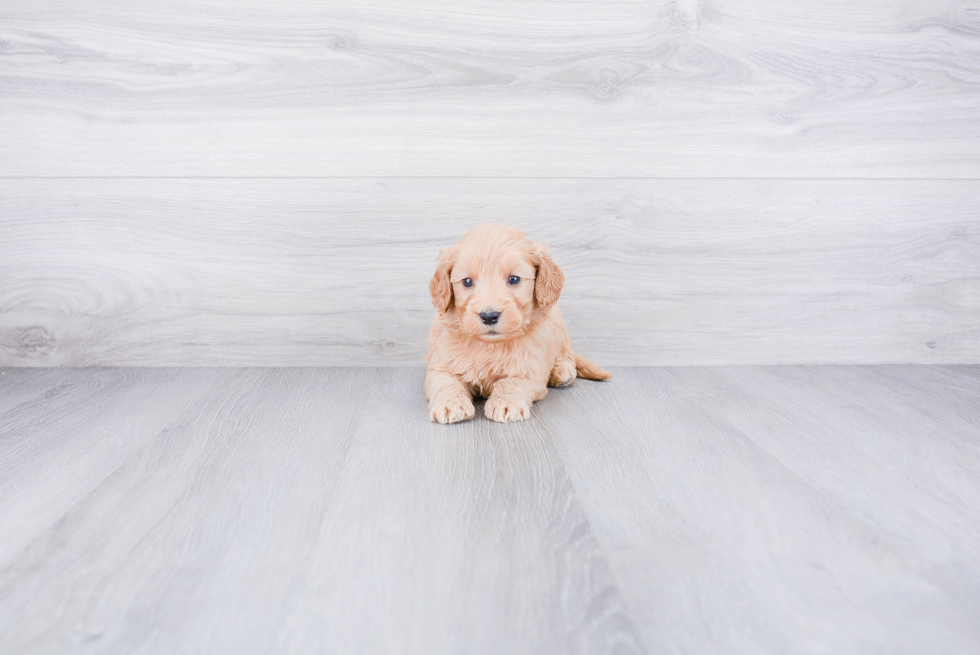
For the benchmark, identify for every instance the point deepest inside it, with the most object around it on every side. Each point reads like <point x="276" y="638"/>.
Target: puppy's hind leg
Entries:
<point x="564" y="372"/>
<point x="449" y="401"/>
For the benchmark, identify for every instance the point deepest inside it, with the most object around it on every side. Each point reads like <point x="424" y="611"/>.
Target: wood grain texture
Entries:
<point x="704" y="510"/>
<point x="335" y="272"/>
<point x="757" y="88"/>
<point x="785" y="510"/>
<point x="295" y="511"/>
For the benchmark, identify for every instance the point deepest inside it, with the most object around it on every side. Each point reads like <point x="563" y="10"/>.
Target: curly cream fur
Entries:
<point x="513" y="362"/>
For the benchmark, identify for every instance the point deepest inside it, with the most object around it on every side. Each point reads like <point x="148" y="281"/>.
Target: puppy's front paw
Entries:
<point x="505" y="409"/>
<point x="452" y="409"/>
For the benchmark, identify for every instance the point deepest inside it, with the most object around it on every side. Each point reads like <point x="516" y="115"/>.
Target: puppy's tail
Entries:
<point x="586" y="368"/>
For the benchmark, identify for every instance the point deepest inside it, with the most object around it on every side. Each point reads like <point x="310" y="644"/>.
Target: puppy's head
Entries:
<point x="495" y="282"/>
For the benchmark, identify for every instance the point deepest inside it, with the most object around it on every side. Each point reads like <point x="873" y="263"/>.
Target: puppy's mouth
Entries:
<point x="491" y="335"/>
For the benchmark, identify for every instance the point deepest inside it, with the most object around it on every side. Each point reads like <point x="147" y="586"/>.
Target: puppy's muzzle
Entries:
<point x="490" y="317"/>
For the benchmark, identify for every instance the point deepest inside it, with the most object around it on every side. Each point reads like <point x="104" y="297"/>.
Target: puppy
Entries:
<point x="498" y="333"/>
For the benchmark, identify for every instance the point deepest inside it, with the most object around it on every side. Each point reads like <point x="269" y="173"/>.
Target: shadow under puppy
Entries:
<point x="498" y="333"/>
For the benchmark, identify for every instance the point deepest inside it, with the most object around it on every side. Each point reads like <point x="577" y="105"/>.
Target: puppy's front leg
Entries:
<point x="511" y="399"/>
<point x="449" y="401"/>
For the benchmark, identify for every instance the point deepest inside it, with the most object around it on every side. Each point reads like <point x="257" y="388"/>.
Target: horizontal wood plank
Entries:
<point x="335" y="272"/>
<point x="748" y="88"/>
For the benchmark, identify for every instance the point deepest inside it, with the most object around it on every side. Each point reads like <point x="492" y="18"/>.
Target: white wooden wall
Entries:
<point x="219" y="182"/>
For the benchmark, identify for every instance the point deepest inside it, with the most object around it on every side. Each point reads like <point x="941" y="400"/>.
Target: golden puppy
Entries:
<point x="498" y="333"/>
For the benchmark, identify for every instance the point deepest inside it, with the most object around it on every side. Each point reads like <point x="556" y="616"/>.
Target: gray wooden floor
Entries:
<point x="695" y="510"/>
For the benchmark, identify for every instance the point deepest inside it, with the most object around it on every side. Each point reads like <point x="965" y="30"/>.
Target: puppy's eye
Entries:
<point x="467" y="282"/>
<point x="513" y="279"/>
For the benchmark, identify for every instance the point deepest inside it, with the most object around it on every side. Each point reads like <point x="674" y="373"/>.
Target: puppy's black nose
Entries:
<point x="490" y="317"/>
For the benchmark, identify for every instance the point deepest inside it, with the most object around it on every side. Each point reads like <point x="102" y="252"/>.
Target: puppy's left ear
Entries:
<point x="548" y="279"/>
<point x="439" y="286"/>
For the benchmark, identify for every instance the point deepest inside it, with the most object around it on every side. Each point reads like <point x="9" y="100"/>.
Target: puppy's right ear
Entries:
<point x="439" y="286"/>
